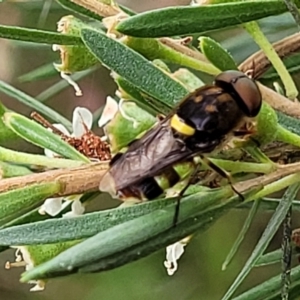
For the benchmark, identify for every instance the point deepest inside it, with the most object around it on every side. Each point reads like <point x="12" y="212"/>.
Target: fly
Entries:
<point x="201" y="123"/>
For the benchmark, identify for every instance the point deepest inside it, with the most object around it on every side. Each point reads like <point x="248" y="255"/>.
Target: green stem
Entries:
<point x="247" y="167"/>
<point x="155" y="49"/>
<point x="34" y="159"/>
<point x="254" y="30"/>
<point x="286" y="136"/>
<point x="257" y="154"/>
<point x="277" y="186"/>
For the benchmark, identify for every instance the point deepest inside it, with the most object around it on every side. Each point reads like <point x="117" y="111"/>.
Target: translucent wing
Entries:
<point x="145" y="157"/>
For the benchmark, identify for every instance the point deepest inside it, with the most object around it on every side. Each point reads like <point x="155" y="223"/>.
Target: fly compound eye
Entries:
<point x="243" y="89"/>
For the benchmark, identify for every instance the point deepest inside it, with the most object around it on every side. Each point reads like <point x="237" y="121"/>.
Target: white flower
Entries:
<point x="81" y="122"/>
<point x="110" y="110"/>
<point x="77" y="209"/>
<point x="53" y="206"/>
<point x="23" y="259"/>
<point x="174" y="252"/>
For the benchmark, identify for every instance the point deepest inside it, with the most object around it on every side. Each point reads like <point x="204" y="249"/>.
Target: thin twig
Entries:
<point x="98" y="7"/>
<point x="285" y="47"/>
<point x="264" y="180"/>
<point x="87" y="178"/>
<point x="73" y="180"/>
<point x="181" y="48"/>
<point x="280" y="102"/>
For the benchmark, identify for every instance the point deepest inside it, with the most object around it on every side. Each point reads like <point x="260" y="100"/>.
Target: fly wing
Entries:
<point x="154" y="151"/>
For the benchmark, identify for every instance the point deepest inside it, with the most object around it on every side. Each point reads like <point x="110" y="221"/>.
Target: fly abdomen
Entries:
<point x="152" y="187"/>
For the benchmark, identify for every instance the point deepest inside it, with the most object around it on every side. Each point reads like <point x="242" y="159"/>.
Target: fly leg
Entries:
<point x="222" y="173"/>
<point x="179" y="197"/>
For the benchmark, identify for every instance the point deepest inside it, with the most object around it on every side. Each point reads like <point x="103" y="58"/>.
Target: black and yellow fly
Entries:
<point x="202" y="123"/>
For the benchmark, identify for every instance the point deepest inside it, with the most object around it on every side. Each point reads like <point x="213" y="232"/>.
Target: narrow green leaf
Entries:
<point x="268" y="234"/>
<point x="62" y="85"/>
<point x="40" y="73"/>
<point x="28" y="217"/>
<point x="125" y="238"/>
<point x="35" y="159"/>
<point x="257" y="154"/>
<point x="241" y="236"/>
<point x="34" y="215"/>
<point x="133" y="67"/>
<point x="70" y="5"/>
<point x="9" y="170"/>
<point x="40" y="136"/>
<point x="81" y="227"/>
<point x="134" y="94"/>
<point x="270" y="258"/>
<point x="270" y="289"/>
<point x="294" y="289"/>
<point x="5" y="133"/>
<point x="59" y="230"/>
<point x="197" y="224"/>
<point x="124" y="235"/>
<point x="38" y="36"/>
<point x="184" y="20"/>
<point x="33" y="103"/>
<point x="41" y="253"/>
<point x="270" y="204"/>
<point x="216" y="54"/>
<point x="155" y="49"/>
<point x="289" y="123"/>
<point x="127" y="10"/>
<point x="18" y="201"/>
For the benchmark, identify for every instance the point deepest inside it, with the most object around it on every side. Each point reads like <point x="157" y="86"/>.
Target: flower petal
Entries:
<point x="23" y="259"/>
<point x="39" y="286"/>
<point x="50" y="153"/>
<point x="51" y="206"/>
<point x="174" y="252"/>
<point x="82" y="120"/>
<point x="62" y="128"/>
<point x="110" y="109"/>
<point x="77" y="210"/>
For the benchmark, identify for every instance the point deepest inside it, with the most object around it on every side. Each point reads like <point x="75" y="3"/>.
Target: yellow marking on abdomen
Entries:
<point x="181" y="127"/>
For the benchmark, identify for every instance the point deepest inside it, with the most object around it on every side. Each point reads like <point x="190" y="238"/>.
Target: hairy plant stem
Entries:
<point x="87" y="178"/>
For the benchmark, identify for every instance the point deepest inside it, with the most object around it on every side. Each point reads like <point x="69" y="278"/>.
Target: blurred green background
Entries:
<point x="199" y="275"/>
